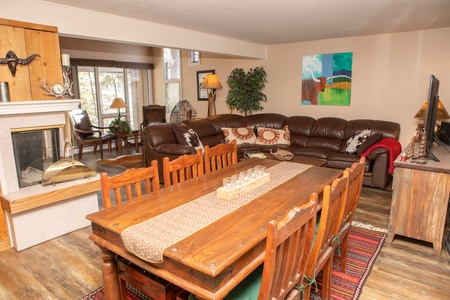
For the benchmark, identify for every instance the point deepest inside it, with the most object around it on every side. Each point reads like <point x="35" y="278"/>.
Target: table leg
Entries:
<point x="110" y="274"/>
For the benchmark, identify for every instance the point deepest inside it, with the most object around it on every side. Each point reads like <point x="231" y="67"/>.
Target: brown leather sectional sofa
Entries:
<point x="323" y="138"/>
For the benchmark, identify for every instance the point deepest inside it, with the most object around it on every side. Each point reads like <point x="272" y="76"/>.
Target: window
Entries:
<point x="172" y="79"/>
<point x="99" y="84"/>
<point x="195" y="58"/>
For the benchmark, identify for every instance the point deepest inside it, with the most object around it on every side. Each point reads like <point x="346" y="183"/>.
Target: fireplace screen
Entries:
<point x="34" y="152"/>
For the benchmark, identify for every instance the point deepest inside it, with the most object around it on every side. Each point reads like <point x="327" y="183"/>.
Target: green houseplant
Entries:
<point x="245" y="90"/>
<point x="119" y="125"/>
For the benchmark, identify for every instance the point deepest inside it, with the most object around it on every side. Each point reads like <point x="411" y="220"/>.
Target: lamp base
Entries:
<point x="211" y="104"/>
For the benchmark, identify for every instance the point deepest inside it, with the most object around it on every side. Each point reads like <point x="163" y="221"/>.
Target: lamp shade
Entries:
<point x="118" y="103"/>
<point x="442" y="113"/>
<point x="211" y="81"/>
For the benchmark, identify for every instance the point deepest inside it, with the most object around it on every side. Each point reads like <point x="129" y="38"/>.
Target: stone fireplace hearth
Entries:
<point x="38" y="213"/>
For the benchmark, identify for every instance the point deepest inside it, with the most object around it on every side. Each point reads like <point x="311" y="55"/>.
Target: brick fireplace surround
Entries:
<point x="39" y="213"/>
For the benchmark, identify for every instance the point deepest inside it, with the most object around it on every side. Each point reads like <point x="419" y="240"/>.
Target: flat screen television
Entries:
<point x="430" y="120"/>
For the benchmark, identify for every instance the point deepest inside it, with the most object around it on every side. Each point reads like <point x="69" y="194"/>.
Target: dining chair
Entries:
<point x="288" y="246"/>
<point x="220" y="156"/>
<point x="355" y="176"/>
<point x="182" y="168"/>
<point x="326" y="238"/>
<point x="130" y="184"/>
<point x="87" y="134"/>
<point x="127" y="186"/>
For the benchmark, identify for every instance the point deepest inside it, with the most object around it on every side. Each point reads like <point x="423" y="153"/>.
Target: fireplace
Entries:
<point x="37" y="213"/>
<point x="26" y="117"/>
<point x="35" y="150"/>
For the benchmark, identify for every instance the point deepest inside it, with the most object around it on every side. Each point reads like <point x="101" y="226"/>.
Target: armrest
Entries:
<point x="87" y="131"/>
<point x="103" y="127"/>
<point x="376" y="152"/>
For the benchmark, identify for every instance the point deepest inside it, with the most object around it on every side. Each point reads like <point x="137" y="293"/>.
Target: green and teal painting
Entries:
<point x="327" y="79"/>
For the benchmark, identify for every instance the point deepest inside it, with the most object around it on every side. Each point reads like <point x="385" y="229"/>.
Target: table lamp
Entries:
<point x="211" y="82"/>
<point x="442" y="113"/>
<point x="118" y="103"/>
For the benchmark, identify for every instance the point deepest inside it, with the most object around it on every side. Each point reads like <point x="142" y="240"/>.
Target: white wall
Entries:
<point x="390" y="76"/>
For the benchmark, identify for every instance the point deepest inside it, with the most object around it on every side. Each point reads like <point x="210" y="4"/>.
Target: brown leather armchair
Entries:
<point x="87" y="134"/>
<point x="153" y="114"/>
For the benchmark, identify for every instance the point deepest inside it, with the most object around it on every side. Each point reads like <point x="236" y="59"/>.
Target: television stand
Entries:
<point x="420" y="199"/>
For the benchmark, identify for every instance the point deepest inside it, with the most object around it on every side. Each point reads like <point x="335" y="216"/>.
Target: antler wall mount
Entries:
<point x="12" y="60"/>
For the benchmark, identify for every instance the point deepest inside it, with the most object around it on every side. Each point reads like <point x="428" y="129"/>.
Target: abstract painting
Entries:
<point x="327" y="79"/>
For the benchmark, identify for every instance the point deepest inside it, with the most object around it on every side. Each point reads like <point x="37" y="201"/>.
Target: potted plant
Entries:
<point x="245" y="90"/>
<point x="119" y="125"/>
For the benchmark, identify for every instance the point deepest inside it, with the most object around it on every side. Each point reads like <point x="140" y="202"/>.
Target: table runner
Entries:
<point x="148" y="239"/>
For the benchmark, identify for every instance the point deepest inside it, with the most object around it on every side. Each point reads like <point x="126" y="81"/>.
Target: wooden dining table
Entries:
<point x="215" y="258"/>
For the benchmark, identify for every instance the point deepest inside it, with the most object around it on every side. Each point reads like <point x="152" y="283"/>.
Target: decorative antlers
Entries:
<point x="12" y="60"/>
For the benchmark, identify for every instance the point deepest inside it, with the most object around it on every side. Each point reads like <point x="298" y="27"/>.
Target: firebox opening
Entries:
<point x="34" y="152"/>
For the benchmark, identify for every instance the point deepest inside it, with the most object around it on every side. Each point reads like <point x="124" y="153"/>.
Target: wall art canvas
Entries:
<point x="327" y="79"/>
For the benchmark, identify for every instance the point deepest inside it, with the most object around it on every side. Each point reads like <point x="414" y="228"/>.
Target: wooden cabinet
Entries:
<point x="25" y="39"/>
<point x="420" y="199"/>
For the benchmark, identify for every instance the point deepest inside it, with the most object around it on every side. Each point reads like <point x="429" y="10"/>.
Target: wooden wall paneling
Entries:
<point x="13" y="38"/>
<point x="46" y="67"/>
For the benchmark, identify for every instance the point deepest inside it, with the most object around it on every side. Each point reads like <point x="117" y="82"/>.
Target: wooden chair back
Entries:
<point x="182" y="168"/>
<point x="129" y="185"/>
<point x="220" y="156"/>
<point x="331" y="214"/>
<point x="288" y="245"/>
<point x="355" y="176"/>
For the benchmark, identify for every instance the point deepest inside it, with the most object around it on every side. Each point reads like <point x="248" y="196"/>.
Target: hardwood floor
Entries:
<point x="69" y="267"/>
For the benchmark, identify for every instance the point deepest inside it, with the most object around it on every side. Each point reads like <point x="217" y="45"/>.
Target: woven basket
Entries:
<point x="281" y="154"/>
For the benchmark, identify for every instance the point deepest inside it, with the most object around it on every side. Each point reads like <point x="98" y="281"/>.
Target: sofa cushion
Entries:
<point x="355" y="141"/>
<point x="300" y="129"/>
<point x="270" y="120"/>
<point x="271" y="136"/>
<point x="180" y="130"/>
<point x="242" y="135"/>
<point x="371" y="140"/>
<point x="327" y="133"/>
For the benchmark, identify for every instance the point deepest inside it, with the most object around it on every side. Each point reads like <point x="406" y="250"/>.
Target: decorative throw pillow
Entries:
<point x="193" y="140"/>
<point x="242" y="135"/>
<point x="373" y="139"/>
<point x="270" y="136"/>
<point x="355" y="141"/>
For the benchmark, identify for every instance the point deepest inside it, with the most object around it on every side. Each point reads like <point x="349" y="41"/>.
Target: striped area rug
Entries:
<point x="363" y="249"/>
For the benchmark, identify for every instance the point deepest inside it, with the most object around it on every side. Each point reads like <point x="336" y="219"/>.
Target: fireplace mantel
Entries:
<point x="44" y="106"/>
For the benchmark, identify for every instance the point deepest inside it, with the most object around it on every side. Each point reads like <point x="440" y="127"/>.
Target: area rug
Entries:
<point x="363" y="249"/>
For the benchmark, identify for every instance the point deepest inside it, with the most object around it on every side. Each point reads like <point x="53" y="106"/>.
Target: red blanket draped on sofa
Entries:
<point x="394" y="147"/>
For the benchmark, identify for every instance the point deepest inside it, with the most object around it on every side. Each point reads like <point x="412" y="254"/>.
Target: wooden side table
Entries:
<point x="123" y="136"/>
<point x="420" y="199"/>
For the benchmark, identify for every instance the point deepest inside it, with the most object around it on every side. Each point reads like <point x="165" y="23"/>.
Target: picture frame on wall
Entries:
<point x="202" y="95"/>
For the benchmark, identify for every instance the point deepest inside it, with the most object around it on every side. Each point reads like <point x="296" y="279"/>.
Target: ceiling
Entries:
<point x="283" y="21"/>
